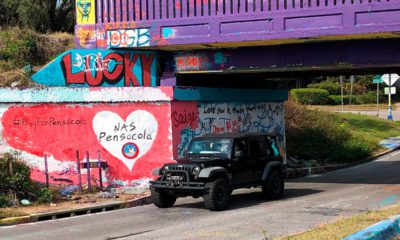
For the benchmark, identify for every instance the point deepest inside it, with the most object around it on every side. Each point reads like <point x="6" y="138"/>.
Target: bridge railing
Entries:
<point x="149" y="10"/>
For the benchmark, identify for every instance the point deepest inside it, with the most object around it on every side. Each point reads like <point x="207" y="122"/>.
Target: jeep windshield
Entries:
<point x="212" y="148"/>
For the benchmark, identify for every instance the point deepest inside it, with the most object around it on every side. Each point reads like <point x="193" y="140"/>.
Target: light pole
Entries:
<point x="377" y="99"/>
<point x="390" y="117"/>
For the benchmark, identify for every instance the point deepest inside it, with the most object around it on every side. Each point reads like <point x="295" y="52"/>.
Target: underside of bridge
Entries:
<point x="260" y="66"/>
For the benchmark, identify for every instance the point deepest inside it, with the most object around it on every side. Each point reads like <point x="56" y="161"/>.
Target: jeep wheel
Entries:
<point x="218" y="194"/>
<point x="162" y="199"/>
<point x="273" y="187"/>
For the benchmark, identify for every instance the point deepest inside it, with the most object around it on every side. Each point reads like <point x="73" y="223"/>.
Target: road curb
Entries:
<point x="383" y="230"/>
<point x="303" y="172"/>
<point x="75" y="212"/>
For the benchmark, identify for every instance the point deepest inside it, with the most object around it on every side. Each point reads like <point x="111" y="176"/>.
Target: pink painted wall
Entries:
<point x="184" y="115"/>
<point x="60" y="129"/>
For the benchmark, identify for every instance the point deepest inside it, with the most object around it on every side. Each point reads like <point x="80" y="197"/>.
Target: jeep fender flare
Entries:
<point x="268" y="167"/>
<point x="156" y="172"/>
<point x="210" y="171"/>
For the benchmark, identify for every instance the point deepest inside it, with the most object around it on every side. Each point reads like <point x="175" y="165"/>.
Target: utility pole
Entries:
<point x="341" y="89"/>
<point x="351" y="87"/>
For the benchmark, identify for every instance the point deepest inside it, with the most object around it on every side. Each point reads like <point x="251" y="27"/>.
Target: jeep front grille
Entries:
<point x="181" y="168"/>
<point x="183" y="171"/>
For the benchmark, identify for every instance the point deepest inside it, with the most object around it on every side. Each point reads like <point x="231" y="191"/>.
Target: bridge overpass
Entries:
<point x="231" y="36"/>
<point x="189" y="24"/>
<point x="151" y="48"/>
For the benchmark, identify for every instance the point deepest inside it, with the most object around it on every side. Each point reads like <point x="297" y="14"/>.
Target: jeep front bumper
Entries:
<point x="176" y="185"/>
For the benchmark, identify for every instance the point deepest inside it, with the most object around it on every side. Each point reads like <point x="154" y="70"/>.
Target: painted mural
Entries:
<point x="130" y="137"/>
<point x="127" y="38"/>
<point x="100" y="68"/>
<point x="191" y="119"/>
<point x="85" y="13"/>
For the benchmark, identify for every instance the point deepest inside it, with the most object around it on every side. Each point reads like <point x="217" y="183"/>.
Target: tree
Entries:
<point x="62" y="15"/>
<point x="40" y="15"/>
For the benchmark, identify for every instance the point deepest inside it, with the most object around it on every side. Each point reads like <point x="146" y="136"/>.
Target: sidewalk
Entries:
<point x="77" y="210"/>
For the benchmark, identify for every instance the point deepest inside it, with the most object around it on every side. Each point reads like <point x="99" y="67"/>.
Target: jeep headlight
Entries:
<point x="163" y="170"/>
<point x="196" y="171"/>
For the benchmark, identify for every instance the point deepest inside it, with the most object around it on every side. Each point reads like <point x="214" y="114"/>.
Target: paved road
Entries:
<point x="383" y="112"/>
<point x="308" y="202"/>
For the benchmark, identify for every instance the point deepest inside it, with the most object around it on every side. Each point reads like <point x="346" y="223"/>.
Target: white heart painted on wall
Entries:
<point x="126" y="140"/>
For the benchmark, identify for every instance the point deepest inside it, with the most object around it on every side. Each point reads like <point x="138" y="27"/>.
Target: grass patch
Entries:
<point x="337" y="108"/>
<point x="346" y="226"/>
<point x="330" y="137"/>
<point x="369" y="128"/>
<point x="7" y="213"/>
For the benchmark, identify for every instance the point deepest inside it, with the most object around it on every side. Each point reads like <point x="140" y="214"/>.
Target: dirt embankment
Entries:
<point x="24" y="52"/>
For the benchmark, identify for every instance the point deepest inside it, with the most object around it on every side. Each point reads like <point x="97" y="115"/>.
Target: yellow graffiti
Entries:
<point x="85" y="12"/>
<point x="85" y="36"/>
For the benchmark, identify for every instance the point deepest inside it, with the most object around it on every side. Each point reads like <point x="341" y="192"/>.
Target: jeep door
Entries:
<point x="258" y="155"/>
<point x="241" y="165"/>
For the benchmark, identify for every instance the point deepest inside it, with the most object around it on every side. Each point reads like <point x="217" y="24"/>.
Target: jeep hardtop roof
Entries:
<point x="235" y="135"/>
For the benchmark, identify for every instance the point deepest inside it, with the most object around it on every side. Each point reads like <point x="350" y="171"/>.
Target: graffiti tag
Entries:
<point x="96" y="69"/>
<point x="139" y="37"/>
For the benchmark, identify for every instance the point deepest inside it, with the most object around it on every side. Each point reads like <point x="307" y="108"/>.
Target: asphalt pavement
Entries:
<point x="307" y="202"/>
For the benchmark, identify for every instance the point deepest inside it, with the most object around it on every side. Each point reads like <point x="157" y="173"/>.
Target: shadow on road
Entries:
<point x="377" y="172"/>
<point x="248" y="199"/>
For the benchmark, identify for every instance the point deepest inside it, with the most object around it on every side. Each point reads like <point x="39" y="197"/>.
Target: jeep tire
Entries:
<point x="218" y="193"/>
<point x="274" y="185"/>
<point x="162" y="199"/>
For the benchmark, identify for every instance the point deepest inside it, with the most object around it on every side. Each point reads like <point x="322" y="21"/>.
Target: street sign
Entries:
<point x="377" y="79"/>
<point x="394" y="77"/>
<point x="392" y="90"/>
<point x="351" y="79"/>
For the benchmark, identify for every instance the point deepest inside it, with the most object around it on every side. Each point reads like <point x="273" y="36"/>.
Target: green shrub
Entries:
<point x="19" y="46"/>
<point x="337" y="99"/>
<point x="324" y="137"/>
<point x="14" y="176"/>
<point x="45" y="195"/>
<point x="333" y="88"/>
<point x="370" y="98"/>
<point x="310" y="96"/>
<point x="4" y="202"/>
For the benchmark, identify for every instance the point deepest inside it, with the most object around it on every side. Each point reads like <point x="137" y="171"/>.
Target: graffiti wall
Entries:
<point x="85" y="11"/>
<point x="191" y="119"/>
<point x="130" y="137"/>
<point x="100" y="68"/>
<point x="134" y="130"/>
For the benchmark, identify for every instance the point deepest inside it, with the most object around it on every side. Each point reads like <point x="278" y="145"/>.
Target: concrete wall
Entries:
<point x="192" y="119"/>
<point x="134" y="129"/>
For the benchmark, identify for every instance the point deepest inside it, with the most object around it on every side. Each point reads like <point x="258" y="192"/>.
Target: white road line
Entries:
<point x="5" y="227"/>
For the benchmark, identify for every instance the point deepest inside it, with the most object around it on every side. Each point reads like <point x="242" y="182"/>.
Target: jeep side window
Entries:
<point x="257" y="146"/>
<point x="240" y="145"/>
<point x="274" y="146"/>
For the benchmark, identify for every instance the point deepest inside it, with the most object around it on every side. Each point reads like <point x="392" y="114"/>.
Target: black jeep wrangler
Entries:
<point x="215" y="165"/>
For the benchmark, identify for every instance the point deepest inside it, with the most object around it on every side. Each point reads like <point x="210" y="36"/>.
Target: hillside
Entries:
<point x="23" y="52"/>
